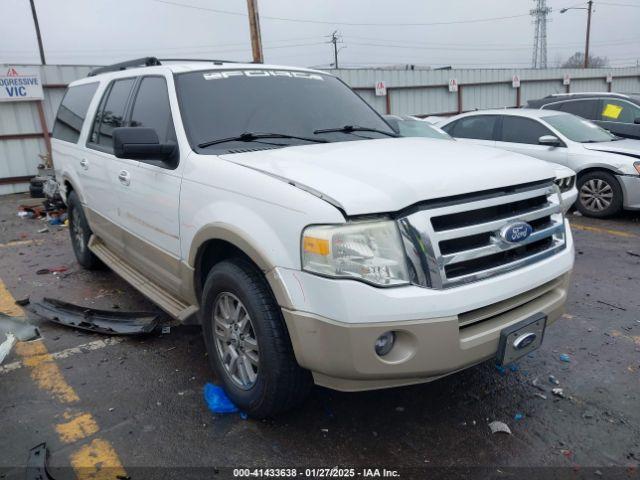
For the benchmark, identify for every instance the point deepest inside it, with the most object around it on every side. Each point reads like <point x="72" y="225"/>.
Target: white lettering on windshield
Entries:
<point x="261" y="74"/>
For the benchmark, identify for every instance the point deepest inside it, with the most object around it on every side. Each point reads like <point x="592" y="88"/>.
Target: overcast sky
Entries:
<point x="296" y="32"/>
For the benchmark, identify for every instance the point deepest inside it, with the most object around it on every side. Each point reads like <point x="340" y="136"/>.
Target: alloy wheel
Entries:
<point x="596" y="194"/>
<point x="77" y="230"/>
<point x="235" y="340"/>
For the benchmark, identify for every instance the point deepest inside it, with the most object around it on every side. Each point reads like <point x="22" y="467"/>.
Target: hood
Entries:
<point x="387" y="175"/>
<point x="623" y="147"/>
<point x="561" y="171"/>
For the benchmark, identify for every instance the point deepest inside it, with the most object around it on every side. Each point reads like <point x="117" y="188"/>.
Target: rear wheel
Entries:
<point x="599" y="195"/>
<point x="80" y="234"/>
<point x="247" y="341"/>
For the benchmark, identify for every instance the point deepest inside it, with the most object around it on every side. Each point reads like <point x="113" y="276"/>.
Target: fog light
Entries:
<point x="384" y="343"/>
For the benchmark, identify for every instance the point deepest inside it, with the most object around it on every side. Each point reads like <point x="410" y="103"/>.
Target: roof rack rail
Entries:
<point x="216" y="61"/>
<point x="138" y="62"/>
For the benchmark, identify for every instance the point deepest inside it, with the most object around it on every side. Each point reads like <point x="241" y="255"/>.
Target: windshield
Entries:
<point x="417" y="128"/>
<point x="578" y="129"/>
<point x="228" y="103"/>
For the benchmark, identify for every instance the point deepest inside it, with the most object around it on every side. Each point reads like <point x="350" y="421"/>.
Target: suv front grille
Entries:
<point x="449" y="245"/>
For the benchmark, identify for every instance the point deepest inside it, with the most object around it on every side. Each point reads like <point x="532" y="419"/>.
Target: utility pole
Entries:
<point x="586" y="46"/>
<point x="254" y="26"/>
<point x="334" y="40"/>
<point x="37" y="26"/>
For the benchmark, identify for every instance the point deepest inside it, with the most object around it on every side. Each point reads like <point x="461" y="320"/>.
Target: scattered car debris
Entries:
<point x="37" y="463"/>
<point x="633" y="254"/>
<point x="518" y="416"/>
<point x="554" y="380"/>
<point x="558" y="392"/>
<point x="21" y="329"/>
<point x="565" y="358"/>
<point x="537" y="385"/>
<point x="612" y="306"/>
<point x="58" y="269"/>
<point x="217" y="400"/>
<point x="540" y="395"/>
<point x="94" y="320"/>
<point x="6" y="346"/>
<point x="499" y="427"/>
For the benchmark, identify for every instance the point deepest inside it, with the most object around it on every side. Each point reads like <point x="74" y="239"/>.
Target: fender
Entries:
<point x="233" y="235"/>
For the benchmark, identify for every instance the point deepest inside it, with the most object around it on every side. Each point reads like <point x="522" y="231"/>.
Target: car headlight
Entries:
<point x="637" y="167"/>
<point x="566" y="184"/>
<point x="370" y="251"/>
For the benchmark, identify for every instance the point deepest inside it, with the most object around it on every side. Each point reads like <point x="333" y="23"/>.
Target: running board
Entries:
<point x="158" y="295"/>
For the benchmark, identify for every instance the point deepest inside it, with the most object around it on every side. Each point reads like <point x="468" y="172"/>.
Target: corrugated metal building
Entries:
<point x="426" y="92"/>
<point x="21" y="126"/>
<point x="418" y="92"/>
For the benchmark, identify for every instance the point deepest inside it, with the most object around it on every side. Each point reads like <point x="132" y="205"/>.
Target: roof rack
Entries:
<point x="138" y="62"/>
<point x="149" y="62"/>
<point x="216" y="61"/>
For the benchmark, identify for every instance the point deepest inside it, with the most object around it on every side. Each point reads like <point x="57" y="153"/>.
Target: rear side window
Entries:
<point x="480" y="127"/>
<point x="619" y="111"/>
<point x="522" y="130"/>
<point x="73" y="111"/>
<point x="583" y="108"/>
<point x="111" y="113"/>
<point x="151" y="109"/>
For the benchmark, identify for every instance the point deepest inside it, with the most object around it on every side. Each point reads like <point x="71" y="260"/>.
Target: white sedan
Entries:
<point x="608" y="166"/>
<point x="407" y="126"/>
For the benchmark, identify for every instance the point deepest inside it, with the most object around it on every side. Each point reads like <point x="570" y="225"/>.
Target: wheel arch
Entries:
<point x="215" y="243"/>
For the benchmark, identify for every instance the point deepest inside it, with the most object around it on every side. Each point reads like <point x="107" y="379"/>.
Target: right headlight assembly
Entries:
<point x="369" y="251"/>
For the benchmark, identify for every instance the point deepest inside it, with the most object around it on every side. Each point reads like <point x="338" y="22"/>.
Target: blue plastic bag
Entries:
<point x="217" y="399"/>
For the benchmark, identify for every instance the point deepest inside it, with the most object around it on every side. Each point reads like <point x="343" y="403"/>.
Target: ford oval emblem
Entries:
<point x="523" y="341"/>
<point x="516" y="232"/>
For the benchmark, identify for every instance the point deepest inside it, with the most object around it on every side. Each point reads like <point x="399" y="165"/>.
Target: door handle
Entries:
<point x="84" y="163"/>
<point x="124" y="177"/>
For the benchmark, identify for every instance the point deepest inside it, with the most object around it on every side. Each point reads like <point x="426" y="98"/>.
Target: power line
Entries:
<point x="619" y="4"/>
<point x="354" y="24"/>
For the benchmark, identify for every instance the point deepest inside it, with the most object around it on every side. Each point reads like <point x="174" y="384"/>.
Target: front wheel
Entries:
<point x="247" y="342"/>
<point x="599" y="195"/>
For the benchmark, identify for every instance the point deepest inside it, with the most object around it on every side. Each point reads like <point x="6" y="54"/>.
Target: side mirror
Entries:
<point x="637" y="121"/>
<point x="140" y="143"/>
<point x="549" y="140"/>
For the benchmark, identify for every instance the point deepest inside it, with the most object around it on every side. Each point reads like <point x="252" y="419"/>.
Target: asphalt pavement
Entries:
<point x="134" y="407"/>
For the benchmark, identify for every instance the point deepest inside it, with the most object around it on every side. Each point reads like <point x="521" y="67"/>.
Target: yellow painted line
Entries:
<point x="97" y="461"/>
<point x="77" y="428"/>
<point x="67" y="352"/>
<point x="45" y="371"/>
<point x="20" y="243"/>
<point x="8" y="303"/>
<point x="608" y="231"/>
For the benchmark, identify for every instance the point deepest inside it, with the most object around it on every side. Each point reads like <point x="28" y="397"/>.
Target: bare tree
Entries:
<point x="577" y="61"/>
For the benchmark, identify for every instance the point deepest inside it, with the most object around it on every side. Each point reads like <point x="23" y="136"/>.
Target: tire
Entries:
<point x="278" y="383"/>
<point x="80" y="233"/>
<point x="599" y="195"/>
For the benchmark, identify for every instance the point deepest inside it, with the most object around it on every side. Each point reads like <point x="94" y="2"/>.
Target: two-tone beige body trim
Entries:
<point x="342" y="356"/>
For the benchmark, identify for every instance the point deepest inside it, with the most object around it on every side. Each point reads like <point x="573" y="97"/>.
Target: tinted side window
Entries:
<point x="480" y="127"/>
<point x="73" y="111"/>
<point x="582" y="108"/>
<point x="151" y="108"/>
<point x="522" y="130"/>
<point x="619" y="111"/>
<point x="111" y="112"/>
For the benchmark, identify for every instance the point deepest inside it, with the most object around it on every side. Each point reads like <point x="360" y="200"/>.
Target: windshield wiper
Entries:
<point x="251" y="137"/>
<point x="355" y="128"/>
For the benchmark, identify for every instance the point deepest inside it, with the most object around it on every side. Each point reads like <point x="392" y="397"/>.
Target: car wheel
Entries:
<point x="599" y="195"/>
<point x="80" y="234"/>
<point x="247" y="341"/>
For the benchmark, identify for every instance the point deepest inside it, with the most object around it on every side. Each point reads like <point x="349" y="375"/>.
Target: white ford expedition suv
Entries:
<point x="275" y="207"/>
